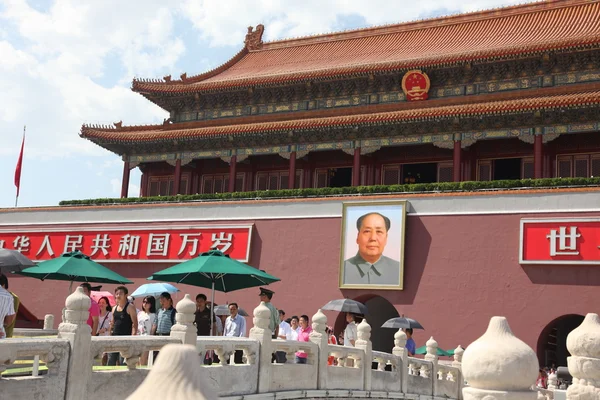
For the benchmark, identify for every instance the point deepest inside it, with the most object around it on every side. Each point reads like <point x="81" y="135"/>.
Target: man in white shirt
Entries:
<point x="351" y="331"/>
<point x="7" y="306"/>
<point x="285" y="333"/>
<point x="235" y="326"/>
<point x="285" y="330"/>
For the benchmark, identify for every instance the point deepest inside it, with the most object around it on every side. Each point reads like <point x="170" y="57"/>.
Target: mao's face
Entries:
<point x="372" y="237"/>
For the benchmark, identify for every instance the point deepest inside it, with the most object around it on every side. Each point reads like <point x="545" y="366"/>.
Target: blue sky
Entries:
<point x="64" y="63"/>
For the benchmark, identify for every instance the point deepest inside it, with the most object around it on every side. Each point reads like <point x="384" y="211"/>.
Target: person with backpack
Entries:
<point x="166" y="316"/>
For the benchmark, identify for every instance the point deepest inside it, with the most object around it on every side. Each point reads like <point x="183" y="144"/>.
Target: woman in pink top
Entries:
<point x="303" y="334"/>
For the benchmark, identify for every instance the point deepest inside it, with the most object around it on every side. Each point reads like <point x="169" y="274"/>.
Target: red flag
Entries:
<point x="19" y="163"/>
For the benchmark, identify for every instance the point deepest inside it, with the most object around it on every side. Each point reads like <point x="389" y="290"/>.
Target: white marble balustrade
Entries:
<point x="497" y="365"/>
<point x="55" y="354"/>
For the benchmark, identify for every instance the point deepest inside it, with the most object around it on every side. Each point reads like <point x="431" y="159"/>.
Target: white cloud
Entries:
<point x="224" y="23"/>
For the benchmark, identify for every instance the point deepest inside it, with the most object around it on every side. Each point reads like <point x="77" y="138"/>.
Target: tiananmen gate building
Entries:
<point x="492" y="100"/>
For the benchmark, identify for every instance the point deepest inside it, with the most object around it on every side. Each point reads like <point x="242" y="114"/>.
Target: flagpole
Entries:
<point x="19" y="167"/>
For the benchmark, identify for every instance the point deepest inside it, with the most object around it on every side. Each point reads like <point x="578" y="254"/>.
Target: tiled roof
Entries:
<point x="517" y="30"/>
<point x="154" y="133"/>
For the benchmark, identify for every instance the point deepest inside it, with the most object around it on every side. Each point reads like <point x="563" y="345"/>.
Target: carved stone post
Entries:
<point x="184" y="328"/>
<point x="458" y="355"/>
<point x="79" y="334"/>
<point x="499" y="366"/>
<point x="176" y="375"/>
<point x="400" y="351"/>
<point x="363" y="341"/>
<point x="432" y="348"/>
<point x="319" y="336"/>
<point x="261" y="332"/>
<point x="552" y="381"/>
<point x="584" y="364"/>
<point x="48" y="321"/>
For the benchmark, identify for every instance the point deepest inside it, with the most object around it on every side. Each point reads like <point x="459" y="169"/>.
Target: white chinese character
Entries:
<point x="158" y="244"/>
<point x="73" y="243"/>
<point x="21" y="243"/>
<point x="223" y="241"/>
<point x="562" y="236"/>
<point x="46" y="244"/>
<point x="185" y="239"/>
<point x="129" y="245"/>
<point x="1" y="244"/>
<point x="100" y="243"/>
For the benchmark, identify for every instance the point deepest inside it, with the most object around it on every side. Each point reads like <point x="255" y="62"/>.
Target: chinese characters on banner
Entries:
<point x="560" y="241"/>
<point x="133" y="244"/>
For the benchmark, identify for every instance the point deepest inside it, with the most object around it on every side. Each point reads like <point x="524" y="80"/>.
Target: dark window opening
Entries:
<point x="340" y="177"/>
<point x="507" y="168"/>
<point x="419" y="173"/>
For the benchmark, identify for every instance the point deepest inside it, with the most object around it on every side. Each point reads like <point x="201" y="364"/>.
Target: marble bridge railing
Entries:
<point x="496" y="366"/>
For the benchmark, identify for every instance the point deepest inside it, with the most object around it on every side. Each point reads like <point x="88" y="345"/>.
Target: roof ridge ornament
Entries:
<point x="253" y="39"/>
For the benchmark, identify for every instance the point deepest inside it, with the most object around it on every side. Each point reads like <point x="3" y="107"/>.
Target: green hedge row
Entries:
<point x="353" y="190"/>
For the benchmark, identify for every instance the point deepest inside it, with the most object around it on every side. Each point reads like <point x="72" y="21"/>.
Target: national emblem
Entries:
<point x="415" y="85"/>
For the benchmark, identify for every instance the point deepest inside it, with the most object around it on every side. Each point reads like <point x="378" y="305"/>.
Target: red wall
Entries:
<point x="459" y="272"/>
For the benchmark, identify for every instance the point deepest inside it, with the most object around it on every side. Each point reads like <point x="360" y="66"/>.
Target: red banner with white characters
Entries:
<point x="560" y="241"/>
<point x="131" y="244"/>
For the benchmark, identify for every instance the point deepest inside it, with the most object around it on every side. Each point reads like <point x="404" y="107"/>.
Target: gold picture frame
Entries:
<point x="370" y="259"/>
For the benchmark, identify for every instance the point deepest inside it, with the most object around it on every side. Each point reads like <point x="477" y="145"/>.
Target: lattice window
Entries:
<point x="595" y="161"/>
<point x="219" y="183"/>
<point x="163" y="185"/>
<point x="275" y="180"/>
<point x="321" y="178"/>
<point x="484" y="170"/>
<point x="563" y="167"/>
<point x="527" y="168"/>
<point x="391" y="174"/>
<point x="445" y="172"/>
<point x="581" y="167"/>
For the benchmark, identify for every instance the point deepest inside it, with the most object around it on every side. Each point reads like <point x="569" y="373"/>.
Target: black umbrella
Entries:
<point x="223" y="309"/>
<point x="346" y="305"/>
<point x="13" y="261"/>
<point x="402" y="323"/>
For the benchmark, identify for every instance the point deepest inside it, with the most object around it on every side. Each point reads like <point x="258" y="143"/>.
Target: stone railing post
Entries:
<point x="458" y="355"/>
<point x="399" y="350"/>
<point x="584" y="363"/>
<point x="319" y="336"/>
<point x="184" y="328"/>
<point x="552" y="381"/>
<point x="261" y="332"/>
<point x="431" y="355"/>
<point x="499" y="366"/>
<point x="363" y="342"/>
<point x="79" y="334"/>
<point x="48" y="322"/>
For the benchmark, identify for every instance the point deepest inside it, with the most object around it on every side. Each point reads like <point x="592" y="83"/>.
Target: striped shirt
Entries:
<point x="165" y="320"/>
<point x="7" y="307"/>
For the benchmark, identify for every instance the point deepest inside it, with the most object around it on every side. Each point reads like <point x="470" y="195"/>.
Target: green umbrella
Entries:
<point x="74" y="266"/>
<point x="216" y="271"/>
<point x="440" y="352"/>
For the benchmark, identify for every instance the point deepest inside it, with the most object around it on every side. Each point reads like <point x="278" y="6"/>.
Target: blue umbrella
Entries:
<point x="154" y="289"/>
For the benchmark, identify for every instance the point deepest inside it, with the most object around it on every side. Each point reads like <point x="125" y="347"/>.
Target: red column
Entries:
<point x="356" y="168"/>
<point x="177" y="178"/>
<point x="144" y="185"/>
<point x="456" y="161"/>
<point x="538" y="157"/>
<point x="125" y="181"/>
<point x="292" y="177"/>
<point x="232" y="163"/>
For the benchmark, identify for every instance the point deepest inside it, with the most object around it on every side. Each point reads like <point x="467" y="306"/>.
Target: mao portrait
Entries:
<point x="372" y="250"/>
